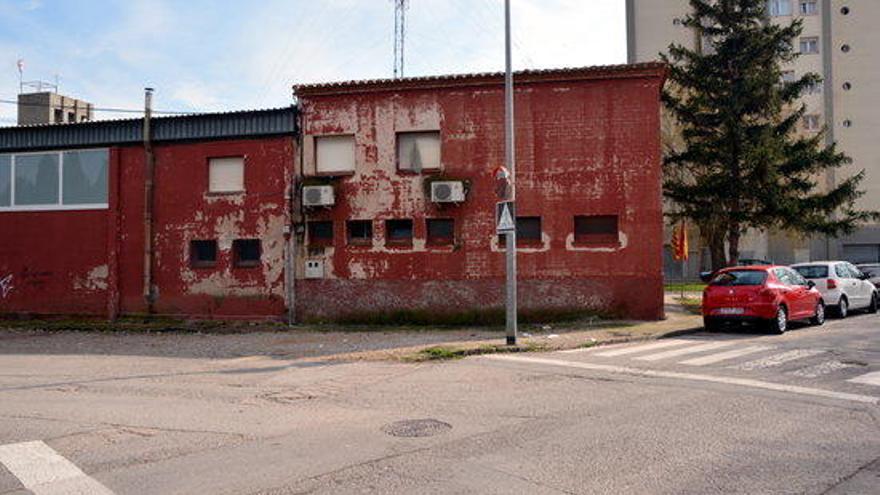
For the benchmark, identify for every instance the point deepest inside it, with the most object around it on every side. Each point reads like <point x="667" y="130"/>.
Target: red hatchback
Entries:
<point x="770" y="295"/>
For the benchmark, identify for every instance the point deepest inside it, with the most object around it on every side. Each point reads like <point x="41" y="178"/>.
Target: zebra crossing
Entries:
<point x="738" y="356"/>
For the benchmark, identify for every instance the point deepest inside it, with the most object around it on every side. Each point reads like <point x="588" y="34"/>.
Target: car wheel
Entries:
<point x="843" y="308"/>
<point x="819" y="318"/>
<point x="780" y="323"/>
<point x="711" y="325"/>
<point x="873" y="307"/>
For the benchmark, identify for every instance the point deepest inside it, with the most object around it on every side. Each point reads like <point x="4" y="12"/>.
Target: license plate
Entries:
<point x="731" y="311"/>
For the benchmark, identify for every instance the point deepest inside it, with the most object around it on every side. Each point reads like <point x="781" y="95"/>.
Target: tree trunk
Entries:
<point x="733" y="247"/>
<point x="716" y="249"/>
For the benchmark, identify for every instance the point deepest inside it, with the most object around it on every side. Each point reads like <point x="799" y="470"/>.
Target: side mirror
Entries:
<point x="864" y="276"/>
<point x="811" y="284"/>
<point x="706" y="276"/>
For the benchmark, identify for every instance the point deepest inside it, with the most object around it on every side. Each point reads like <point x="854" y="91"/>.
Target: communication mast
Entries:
<point x="400" y="7"/>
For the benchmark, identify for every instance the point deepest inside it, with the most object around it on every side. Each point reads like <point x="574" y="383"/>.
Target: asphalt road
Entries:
<point x="705" y="413"/>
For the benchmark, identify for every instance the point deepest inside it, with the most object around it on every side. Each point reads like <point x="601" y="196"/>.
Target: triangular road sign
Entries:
<point x="504" y="220"/>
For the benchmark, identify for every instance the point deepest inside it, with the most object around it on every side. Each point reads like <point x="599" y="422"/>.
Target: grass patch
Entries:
<point x="445" y="353"/>
<point x="686" y="287"/>
<point x="693" y="305"/>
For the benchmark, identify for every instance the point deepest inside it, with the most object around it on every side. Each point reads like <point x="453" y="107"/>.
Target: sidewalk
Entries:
<point x="334" y="343"/>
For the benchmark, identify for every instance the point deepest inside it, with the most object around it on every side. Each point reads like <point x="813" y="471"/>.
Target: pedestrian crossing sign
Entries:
<point x="504" y="215"/>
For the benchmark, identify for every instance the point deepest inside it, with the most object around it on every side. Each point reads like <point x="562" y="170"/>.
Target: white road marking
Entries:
<point x="821" y="369"/>
<point x="724" y="356"/>
<point x="867" y="379"/>
<point x="711" y="346"/>
<point x="45" y="472"/>
<point x="743" y="382"/>
<point x="778" y="359"/>
<point x="645" y="347"/>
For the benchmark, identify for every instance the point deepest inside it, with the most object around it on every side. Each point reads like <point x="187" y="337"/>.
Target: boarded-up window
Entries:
<point x="320" y="233"/>
<point x="203" y="254"/>
<point x="334" y="154"/>
<point x="246" y="253"/>
<point x="595" y="229"/>
<point x="360" y="232"/>
<point x="398" y="231"/>
<point x="417" y="151"/>
<point x="226" y="174"/>
<point x="440" y="231"/>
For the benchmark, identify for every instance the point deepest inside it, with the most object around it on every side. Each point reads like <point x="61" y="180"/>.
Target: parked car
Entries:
<point x="768" y="295"/>
<point x="872" y="270"/>
<point x="843" y="286"/>
<point x="706" y="276"/>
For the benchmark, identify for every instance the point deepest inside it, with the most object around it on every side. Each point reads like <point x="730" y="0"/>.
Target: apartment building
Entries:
<point x="838" y="42"/>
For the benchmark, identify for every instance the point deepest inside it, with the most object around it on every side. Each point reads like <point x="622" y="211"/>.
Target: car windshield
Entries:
<point x="740" y="277"/>
<point x="813" y="271"/>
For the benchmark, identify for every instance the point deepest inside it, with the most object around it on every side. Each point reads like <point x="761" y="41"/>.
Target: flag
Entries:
<point x="680" y="242"/>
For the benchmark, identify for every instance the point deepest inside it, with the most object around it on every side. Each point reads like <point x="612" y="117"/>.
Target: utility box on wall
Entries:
<point x="314" y="268"/>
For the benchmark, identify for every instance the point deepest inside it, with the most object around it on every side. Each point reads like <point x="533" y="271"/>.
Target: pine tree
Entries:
<point x="741" y="163"/>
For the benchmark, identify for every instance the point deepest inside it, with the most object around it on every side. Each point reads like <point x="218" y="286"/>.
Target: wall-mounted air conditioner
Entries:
<point x="450" y="191"/>
<point x="318" y="196"/>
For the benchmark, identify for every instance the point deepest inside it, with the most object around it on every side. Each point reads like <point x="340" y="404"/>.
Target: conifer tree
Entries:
<point x="742" y="163"/>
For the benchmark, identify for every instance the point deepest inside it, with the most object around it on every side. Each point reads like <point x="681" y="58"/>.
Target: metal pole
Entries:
<point x="149" y="173"/>
<point x="509" y="159"/>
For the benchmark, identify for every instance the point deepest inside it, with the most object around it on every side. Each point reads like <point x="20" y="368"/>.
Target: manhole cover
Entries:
<point x="411" y="428"/>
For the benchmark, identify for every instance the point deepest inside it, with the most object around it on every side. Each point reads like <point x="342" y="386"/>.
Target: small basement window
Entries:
<point x="441" y="231"/>
<point x="360" y="231"/>
<point x="226" y="175"/>
<point x="334" y="155"/>
<point x="321" y="233"/>
<point x="398" y="231"/>
<point x="596" y="229"/>
<point x="203" y="254"/>
<point x="246" y="253"/>
<point x="528" y="231"/>
<point x="417" y="151"/>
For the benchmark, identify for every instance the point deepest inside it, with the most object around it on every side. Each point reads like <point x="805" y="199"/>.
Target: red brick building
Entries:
<point x="73" y="225"/>
<point x="588" y="193"/>
<point x="378" y="192"/>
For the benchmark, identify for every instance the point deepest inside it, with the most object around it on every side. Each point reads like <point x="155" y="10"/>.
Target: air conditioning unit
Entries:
<point x="318" y="196"/>
<point x="450" y="191"/>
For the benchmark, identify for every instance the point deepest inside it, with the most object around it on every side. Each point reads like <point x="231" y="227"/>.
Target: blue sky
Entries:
<point x="204" y="55"/>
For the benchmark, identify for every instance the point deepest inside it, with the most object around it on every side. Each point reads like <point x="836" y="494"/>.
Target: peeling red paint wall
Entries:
<point x="186" y="211"/>
<point x="91" y="262"/>
<point x="588" y="147"/>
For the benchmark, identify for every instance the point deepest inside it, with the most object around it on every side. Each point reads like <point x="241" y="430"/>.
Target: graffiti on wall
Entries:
<point x="6" y="286"/>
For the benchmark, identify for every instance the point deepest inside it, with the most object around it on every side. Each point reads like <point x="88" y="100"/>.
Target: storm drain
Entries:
<point x="413" y="428"/>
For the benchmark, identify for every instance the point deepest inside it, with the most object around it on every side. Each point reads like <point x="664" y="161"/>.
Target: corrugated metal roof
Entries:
<point x="589" y="72"/>
<point x="246" y="123"/>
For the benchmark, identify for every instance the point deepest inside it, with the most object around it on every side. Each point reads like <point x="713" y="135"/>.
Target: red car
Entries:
<point x="770" y="295"/>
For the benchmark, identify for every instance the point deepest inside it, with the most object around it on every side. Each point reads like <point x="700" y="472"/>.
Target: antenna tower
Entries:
<point x="400" y="7"/>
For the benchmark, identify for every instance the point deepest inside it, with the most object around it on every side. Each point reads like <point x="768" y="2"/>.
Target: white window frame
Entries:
<point x="803" y="3"/>
<point x="775" y="8"/>
<point x="813" y="117"/>
<point x="809" y="40"/>
<point x="59" y="206"/>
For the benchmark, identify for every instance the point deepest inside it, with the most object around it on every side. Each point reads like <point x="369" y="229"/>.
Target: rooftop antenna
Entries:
<point x="400" y="7"/>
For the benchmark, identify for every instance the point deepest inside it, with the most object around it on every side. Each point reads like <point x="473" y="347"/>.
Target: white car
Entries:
<point x="843" y="286"/>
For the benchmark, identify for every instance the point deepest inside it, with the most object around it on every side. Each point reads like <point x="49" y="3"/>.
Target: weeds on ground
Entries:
<point x="443" y="353"/>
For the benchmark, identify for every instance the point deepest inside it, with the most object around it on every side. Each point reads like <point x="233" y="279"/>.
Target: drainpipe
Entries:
<point x="149" y="172"/>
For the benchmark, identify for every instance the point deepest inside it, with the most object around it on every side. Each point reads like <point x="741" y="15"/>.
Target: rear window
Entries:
<point x="740" y="277"/>
<point x="812" y="271"/>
